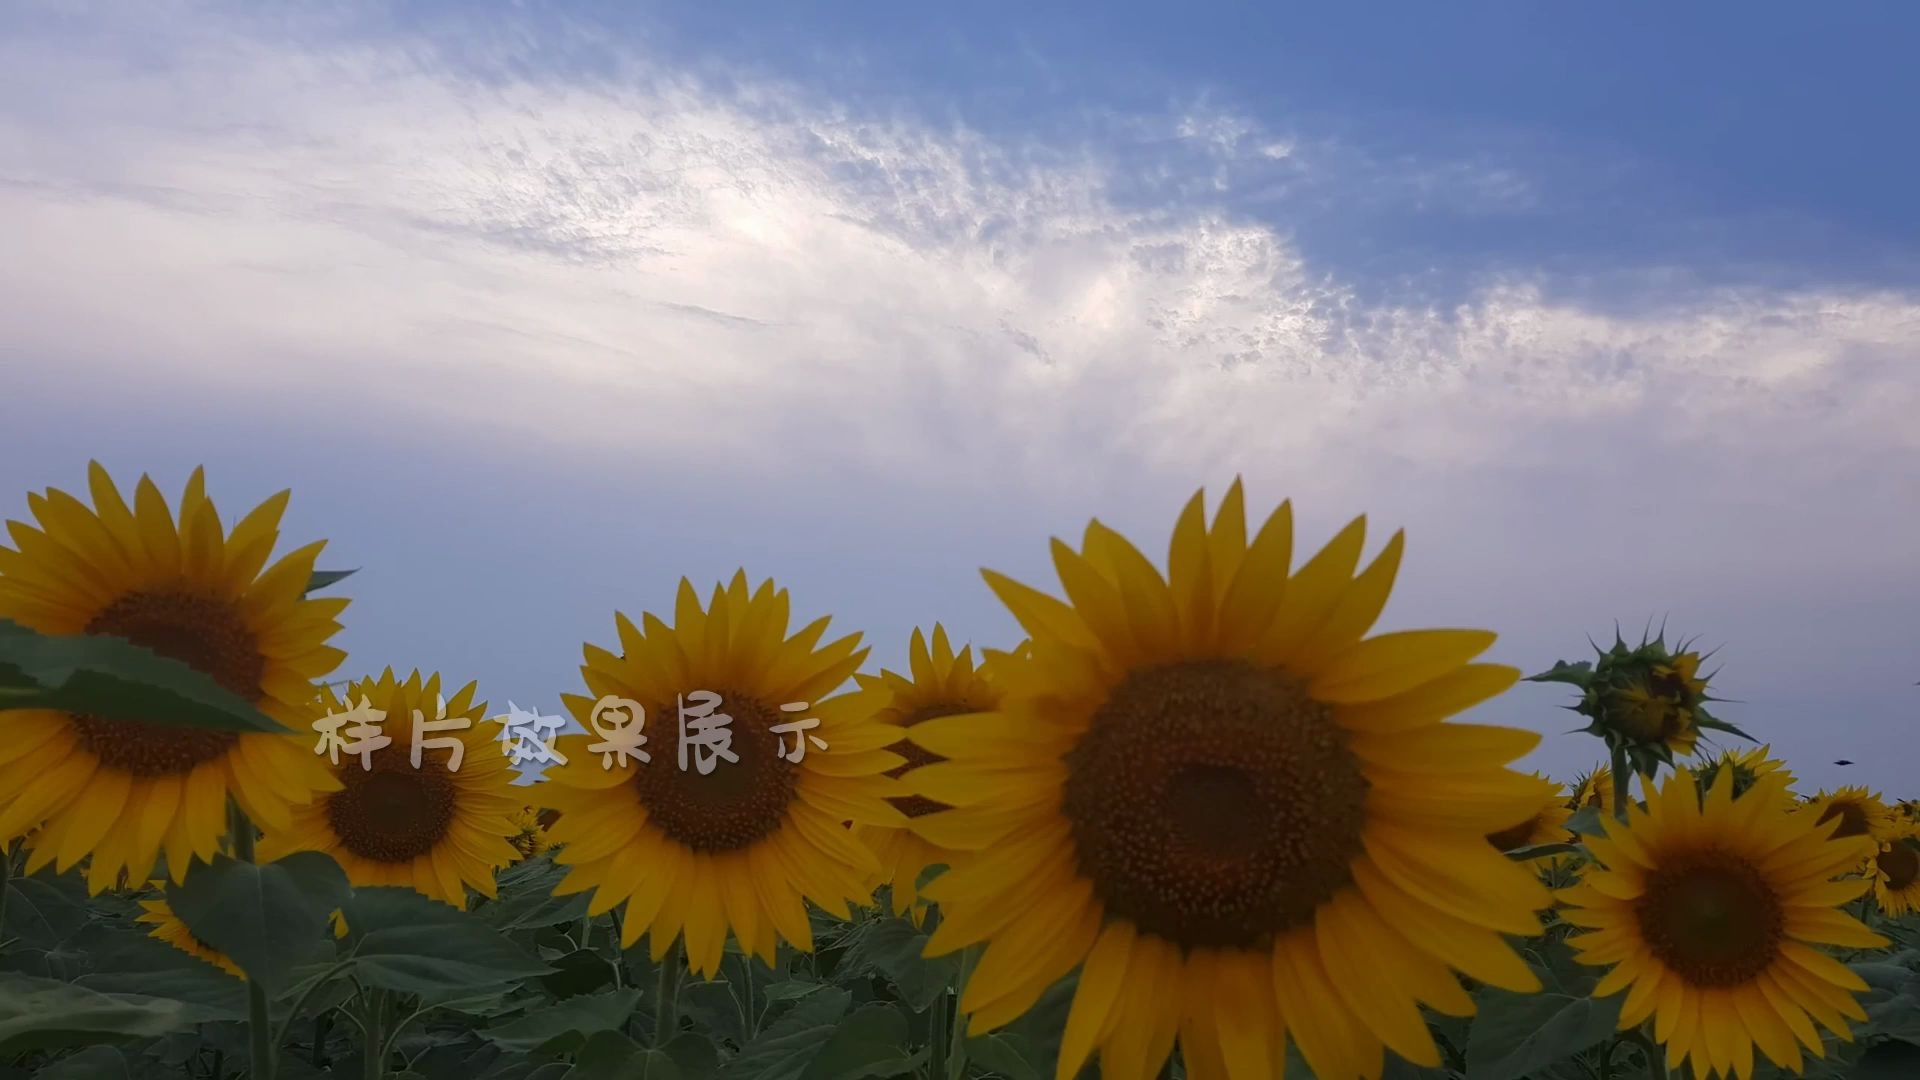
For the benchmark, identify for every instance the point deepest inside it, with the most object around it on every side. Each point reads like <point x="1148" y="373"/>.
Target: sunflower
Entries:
<point x="940" y="683"/>
<point x="1710" y="911"/>
<point x="1860" y="812"/>
<point x="1896" y="871"/>
<point x="190" y="592"/>
<point x="428" y="817"/>
<point x="700" y="842"/>
<point x="1747" y="767"/>
<point x="169" y="928"/>
<point x="1593" y="789"/>
<point x="1235" y="814"/>
<point x="530" y="838"/>
<point x="1547" y="824"/>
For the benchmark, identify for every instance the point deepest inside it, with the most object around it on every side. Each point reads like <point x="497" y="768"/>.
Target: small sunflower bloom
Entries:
<point x="432" y="809"/>
<point x="938" y="683"/>
<point x="1711" y="913"/>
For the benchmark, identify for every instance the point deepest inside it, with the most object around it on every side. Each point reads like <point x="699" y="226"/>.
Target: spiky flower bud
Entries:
<point x="1645" y="699"/>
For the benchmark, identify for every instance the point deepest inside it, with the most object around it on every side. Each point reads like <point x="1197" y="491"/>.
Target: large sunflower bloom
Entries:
<point x="1240" y="818"/>
<point x="169" y="928"/>
<point x="939" y="683"/>
<point x="1547" y="824"/>
<point x="440" y="827"/>
<point x="1709" y="912"/>
<point x="1896" y="871"/>
<point x="693" y="842"/>
<point x="126" y="792"/>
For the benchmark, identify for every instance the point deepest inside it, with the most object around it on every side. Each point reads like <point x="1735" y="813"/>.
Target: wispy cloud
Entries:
<point x="749" y="280"/>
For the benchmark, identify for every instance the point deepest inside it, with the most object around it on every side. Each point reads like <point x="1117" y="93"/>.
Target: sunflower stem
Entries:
<point x="374" y="1039"/>
<point x="6" y="879"/>
<point x="1622" y="782"/>
<point x="666" y="1010"/>
<point x="259" y="1020"/>
<point x="957" y="1041"/>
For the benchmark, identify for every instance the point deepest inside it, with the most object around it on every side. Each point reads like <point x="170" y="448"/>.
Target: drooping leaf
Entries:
<point x="41" y="1014"/>
<point x="1539" y="851"/>
<point x="560" y="1028"/>
<point x="581" y="971"/>
<point x="268" y="918"/>
<point x="115" y="679"/>
<point x="1515" y="1036"/>
<point x="1590" y="821"/>
<point x="418" y="945"/>
<point x="1575" y="674"/>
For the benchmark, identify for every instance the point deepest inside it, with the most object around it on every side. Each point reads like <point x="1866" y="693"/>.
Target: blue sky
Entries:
<point x="538" y="306"/>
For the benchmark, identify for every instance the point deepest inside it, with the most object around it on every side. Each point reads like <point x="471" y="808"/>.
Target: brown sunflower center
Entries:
<point x="392" y="813"/>
<point x="1712" y="919"/>
<point x="736" y="804"/>
<point x="1901" y="864"/>
<point x="204" y="632"/>
<point x="1853" y="818"/>
<point x="917" y="755"/>
<point x="1513" y="838"/>
<point x="1214" y="803"/>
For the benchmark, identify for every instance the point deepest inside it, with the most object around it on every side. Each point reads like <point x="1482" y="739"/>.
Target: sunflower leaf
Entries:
<point x="1537" y="851"/>
<point x="873" y="1042"/>
<point x="783" y="1050"/>
<point x="893" y="948"/>
<point x="320" y="579"/>
<point x="42" y="1014"/>
<point x="561" y="1028"/>
<point x="1005" y="1053"/>
<point x="418" y="945"/>
<point x="270" y="918"/>
<point x="1589" y="821"/>
<point x="1515" y="1036"/>
<point x="609" y="1054"/>
<point x="114" y="679"/>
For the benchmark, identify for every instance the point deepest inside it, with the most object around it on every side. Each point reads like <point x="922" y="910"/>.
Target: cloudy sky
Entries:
<point x="537" y="307"/>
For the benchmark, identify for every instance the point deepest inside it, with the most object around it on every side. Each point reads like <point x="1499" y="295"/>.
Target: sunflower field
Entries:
<point x="1200" y="823"/>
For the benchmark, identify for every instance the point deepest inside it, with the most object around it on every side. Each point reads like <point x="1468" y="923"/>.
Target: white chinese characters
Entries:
<point x="359" y="732"/>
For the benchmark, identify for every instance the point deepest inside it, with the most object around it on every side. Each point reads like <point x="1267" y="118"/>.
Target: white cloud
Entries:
<point x="758" y="282"/>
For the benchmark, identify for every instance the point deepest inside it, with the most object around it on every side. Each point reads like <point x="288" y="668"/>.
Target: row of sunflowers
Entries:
<point x="1199" y="823"/>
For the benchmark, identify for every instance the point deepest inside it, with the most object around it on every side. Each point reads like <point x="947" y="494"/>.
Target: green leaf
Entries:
<point x="1892" y="1060"/>
<point x="130" y="962"/>
<point x="872" y="1042"/>
<point x="1013" y="1056"/>
<point x="581" y="971"/>
<point x="1590" y="821"/>
<point x="695" y="1056"/>
<point x="1578" y="674"/>
<point x="268" y="918"/>
<point x="892" y="948"/>
<point x="45" y="909"/>
<point x="609" y="1055"/>
<point x="560" y="1028"/>
<point x="417" y="945"/>
<point x="527" y="901"/>
<point x="786" y="1046"/>
<point x="113" y="678"/>
<point x="1514" y="1036"/>
<point x="791" y="990"/>
<point x="320" y="579"/>
<point x="1536" y="851"/>
<point x="41" y="1014"/>
<point x="101" y="1063"/>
